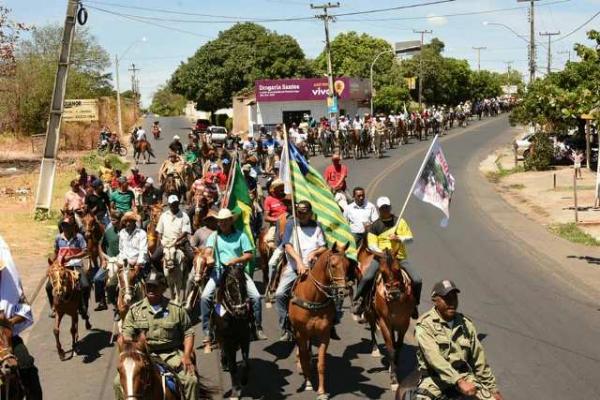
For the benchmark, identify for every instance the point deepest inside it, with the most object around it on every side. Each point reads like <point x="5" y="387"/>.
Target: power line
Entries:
<point x="578" y="28"/>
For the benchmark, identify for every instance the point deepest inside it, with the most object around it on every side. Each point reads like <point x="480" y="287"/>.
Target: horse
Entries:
<point x="93" y="230"/>
<point x="128" y="292"/>
<point x="312" y="309"/>
<point x="389" y="306"/>
<point x="142" y="148"/>
<point x="233" y="325"/>
<point x="66" y="295"/>
<point x="172" y="261"/>
<point x="12" y="387"/>
<point x="201" y="275"/>
<point x="151" y="234"/>
<point x="140" y="376"/>
<point x="173" y="185"/>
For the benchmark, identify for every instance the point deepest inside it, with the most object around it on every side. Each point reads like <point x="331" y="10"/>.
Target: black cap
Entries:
<point x="156" y="278"/>
<point x="442" y="288"/>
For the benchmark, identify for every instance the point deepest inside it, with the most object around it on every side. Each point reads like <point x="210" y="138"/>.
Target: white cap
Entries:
<point x="172" y="199"/>
<point x="383" y="201"/>
<point x="150" y="180"/>
<point x="176" y="137"/>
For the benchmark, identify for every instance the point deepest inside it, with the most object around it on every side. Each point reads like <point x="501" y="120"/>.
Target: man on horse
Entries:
<point x="174" y="227"/>
<point x="274" y="207"/>
<point x="450" y="356"/>
<point x="176" y="146"/>
<point x="173" y="165"/>
<point x="226" y="248"/>
<point x="122" y="199"/>
<point x="18" y="312"/>
<point x="133" y="243"/>
<point x="361" y="214"/>
<point x="168" y="332"/>
<point x="303" y="246"/>
<point x="386" y="233"/>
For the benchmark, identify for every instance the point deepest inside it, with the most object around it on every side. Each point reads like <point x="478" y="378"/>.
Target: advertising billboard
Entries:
<point x="310" y="89"/>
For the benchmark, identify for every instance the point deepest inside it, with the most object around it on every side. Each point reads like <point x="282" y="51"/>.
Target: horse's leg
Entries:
<point x="374" y="347"/>
<point x="304" y="355"/>
<point x="230" y="354"/>
<point x="388" y="336"/>
<point x="321" y="366"/>
<point x="74" y="332"/>
<point x="56" y="330"/>
<point x="245" y="348"/>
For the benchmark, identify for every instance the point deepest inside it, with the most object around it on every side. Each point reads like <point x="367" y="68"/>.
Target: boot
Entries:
<point x="333" y="334"/>
<point x="417" y="292"/>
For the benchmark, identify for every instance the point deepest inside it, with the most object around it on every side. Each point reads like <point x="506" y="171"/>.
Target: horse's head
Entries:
<point x="201" y="269"/>
<point x="91" y="227"/>
<point x="233" y="294"/>
<point x="60" y="279"/>
<point x="126" y="276"/>
<point x="337" y="267"/>
<point x="8" y="361"/>
<point x="134" y="367"/>
<point x="390" y="270"/>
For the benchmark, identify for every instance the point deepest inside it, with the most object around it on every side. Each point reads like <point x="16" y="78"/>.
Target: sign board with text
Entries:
<point x="80" y="110"/>
<point x="310" y="89"/>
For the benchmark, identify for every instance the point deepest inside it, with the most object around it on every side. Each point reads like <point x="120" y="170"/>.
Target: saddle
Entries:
<point x="404" y="286"/>
<point x="169" y="379"/>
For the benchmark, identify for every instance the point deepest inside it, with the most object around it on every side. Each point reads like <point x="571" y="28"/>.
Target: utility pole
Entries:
<point x="478" y="49"/>
<point x="134" y="89"/>
<point x="549" y="34"/>
<point x="326" y="19"/>
<point x="532" y="54"/>
<point x="43" y="199"/>
<point x="119" y="121"/>
<point x="508" y="64"/>
<point x="423" y="32"/>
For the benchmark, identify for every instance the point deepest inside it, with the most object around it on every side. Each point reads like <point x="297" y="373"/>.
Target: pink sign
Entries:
<point x="309" y="89"/>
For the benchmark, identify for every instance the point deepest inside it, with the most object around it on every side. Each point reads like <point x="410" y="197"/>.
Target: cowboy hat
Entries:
<point x="224" y="213"/>
<point x="129" y="216"/>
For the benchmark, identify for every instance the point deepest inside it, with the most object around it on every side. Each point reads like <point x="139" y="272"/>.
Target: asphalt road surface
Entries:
<point x="540" y="335"/>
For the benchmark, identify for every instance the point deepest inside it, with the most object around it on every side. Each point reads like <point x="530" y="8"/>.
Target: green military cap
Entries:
<point x="156" y="278"/>
<point x="442" y="288"/>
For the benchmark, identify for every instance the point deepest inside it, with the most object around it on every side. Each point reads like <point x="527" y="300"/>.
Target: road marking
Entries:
<point x="371" y="188"/>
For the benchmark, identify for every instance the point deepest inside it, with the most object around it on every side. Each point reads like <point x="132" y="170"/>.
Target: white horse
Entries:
<point x="173" y="270"/>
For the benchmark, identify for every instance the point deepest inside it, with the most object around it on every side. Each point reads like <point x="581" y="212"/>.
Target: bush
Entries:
<point x="221" y="119"/>
<point x="229" y="124"/>
<point x="541" y="153"/>
<point x="93" y="161"/>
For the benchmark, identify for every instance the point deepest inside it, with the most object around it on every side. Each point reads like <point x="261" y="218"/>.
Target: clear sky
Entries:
<point x="171" y="37"/>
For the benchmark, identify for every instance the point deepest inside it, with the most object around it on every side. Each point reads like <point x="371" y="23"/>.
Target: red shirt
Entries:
<point x="334" y="174"/>
<point x="136" y="181"/>
<point x="274" y="207"/>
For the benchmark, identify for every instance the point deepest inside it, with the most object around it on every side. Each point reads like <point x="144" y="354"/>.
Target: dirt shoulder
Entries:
<point x="532" y="210"/>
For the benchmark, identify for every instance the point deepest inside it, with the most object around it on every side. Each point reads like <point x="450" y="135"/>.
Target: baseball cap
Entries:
<point x="150" y="181"/>
<point x="122" y="179"/>
<point x="175" y="137"/>
<point x="383" y="201"/>
<point x="442" y="288"/>
<point x="156" y="278"/>
<point x="172" y="199"/>
<point x="96" y="183"/>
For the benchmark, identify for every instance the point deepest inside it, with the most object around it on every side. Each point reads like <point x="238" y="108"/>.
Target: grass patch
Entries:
<point x="516" y="186"/>
<point x="496" y="176"/>
<point x="93" y="161"/>
<point x="570" y="188"/>
<point x="573" y="233"/>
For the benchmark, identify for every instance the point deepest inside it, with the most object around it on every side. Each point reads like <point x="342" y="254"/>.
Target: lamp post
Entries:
<point x="117" y="58"/>
<point x="371" y="75"/>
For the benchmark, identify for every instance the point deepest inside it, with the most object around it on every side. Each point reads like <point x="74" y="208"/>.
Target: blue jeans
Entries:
<point x="208" y="293"/>
<point x="370" y="273"/>
<point x="99" y="279"/>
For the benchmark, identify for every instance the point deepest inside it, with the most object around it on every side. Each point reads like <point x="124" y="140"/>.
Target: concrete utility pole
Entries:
<point x="119" y="121"/>
<point x="478" y="49"/>
<point x="532" y="54"/>
<point x="549" y="34"/>
<point x="423" y="32"/>
<point x="508" y="64"/>
<point x="43" y="199"/>
<point x="134" y="89"/>
<point x="326" y="19"/>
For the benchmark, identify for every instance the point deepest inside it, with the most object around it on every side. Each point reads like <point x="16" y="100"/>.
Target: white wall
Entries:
<point x="272" y="112"/>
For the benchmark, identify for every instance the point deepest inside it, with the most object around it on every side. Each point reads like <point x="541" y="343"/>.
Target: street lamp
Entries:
<point x="373" y="65"/>
<point x="117" y="58"/>
<point x="487" y="23"/>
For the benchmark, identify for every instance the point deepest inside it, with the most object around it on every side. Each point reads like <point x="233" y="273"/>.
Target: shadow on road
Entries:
<point x="93" y="343"/>
<point x="589" y="259"/>
<point x="260" y="386"/>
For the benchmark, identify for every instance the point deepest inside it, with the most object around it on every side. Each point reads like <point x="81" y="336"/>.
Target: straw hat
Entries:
<point x="224" y="213"/>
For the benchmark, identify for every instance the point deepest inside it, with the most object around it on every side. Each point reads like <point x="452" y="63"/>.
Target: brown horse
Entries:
<point x="128" y="292"/>
<point x="201" y="275"/>
<point x="11" y="387"/>
<point x="144" y="149"/>
<point x="312" y="309"/>
<point x="389" y="306"/>
<point x="93" y="231"/>
<point x="151" y="234"/>
<point x="140" y="376"/>
<point x="66" y="300"/>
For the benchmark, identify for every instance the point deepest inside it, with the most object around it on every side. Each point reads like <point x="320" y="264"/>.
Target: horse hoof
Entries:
<point x="323" y="396"/>
<point x="376" y="353"/>
<point x="61" y="355"/>
<point x="308" y="387"/>
<point x="394" y="387"/>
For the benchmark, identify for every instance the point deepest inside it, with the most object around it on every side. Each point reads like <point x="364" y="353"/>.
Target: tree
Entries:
<point x="167" y="103"/>
<point x="239" y="56"/>
<point x="484" y="84"/>
<point x="352" y="55"/>
<point x="27" y="103"/>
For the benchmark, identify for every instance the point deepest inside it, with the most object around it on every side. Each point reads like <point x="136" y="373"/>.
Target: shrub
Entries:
<point x="540" y="154"/>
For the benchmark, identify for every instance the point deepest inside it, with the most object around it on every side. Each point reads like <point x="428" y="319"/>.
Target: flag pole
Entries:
<point x="232" y="169"/>
<point x="412" y="188"/>
<point x="286" y="148"/>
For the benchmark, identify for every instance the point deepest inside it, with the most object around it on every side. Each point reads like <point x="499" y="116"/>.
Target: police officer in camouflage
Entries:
<point x="451" y="358"/>
<point x="168" y="331"/>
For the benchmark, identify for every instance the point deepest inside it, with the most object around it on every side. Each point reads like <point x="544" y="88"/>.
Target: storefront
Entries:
<point x="289" y="100"/>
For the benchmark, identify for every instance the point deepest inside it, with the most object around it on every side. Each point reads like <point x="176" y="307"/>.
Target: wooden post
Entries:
<point x="515" y="147"/>
<point x="575" y="194"/>
<point x="587" y="144"/>
<point x="554" y="179"/>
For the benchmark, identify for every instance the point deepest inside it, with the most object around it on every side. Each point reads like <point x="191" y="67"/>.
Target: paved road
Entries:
<point x="540" y="336"/>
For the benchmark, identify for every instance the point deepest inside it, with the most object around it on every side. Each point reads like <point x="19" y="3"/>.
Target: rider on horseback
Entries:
<point x="386" y="233"/>
<point x="171" y="166"/>
<point x="175" y="146"/>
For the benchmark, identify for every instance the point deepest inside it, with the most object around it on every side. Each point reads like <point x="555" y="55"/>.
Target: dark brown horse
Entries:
<point x="93" y="231"/>
<point x="144" y="149"/>
<point x="312" y="309"/>
<point x="66" y="300"/>
<point x="389" y="306"/>
<point x="151" y="234"/>
<point x="11" y="387"/>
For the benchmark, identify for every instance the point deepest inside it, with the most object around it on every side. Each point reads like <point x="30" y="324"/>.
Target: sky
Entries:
<point x="166" y="38"/>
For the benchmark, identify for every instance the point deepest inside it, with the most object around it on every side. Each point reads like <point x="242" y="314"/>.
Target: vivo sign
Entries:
<point x="309" y="89"/>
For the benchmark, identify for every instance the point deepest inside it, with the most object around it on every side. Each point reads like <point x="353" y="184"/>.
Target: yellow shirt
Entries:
<point x="106" y="174"/>
<point x="378" y="238"/>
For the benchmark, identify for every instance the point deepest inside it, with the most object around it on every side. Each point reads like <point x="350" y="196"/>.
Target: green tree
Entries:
<point x="166" y="103"/>
<point x="28" y="99"/>
<point x="391" y="99"/>
<point x="239" y="56"/>
<point x="485" y="84"/>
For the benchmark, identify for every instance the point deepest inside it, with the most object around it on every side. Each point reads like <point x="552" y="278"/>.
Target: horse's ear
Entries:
<point x="141" y="343"/>
<point x="50" y="262"/>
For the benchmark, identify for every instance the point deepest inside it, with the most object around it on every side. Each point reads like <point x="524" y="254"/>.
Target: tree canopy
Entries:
<point x="240" y="55"/>
<point x="167" y="103"/>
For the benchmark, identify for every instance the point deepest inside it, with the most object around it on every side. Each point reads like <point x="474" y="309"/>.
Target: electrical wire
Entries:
<point x="578" y="28"/>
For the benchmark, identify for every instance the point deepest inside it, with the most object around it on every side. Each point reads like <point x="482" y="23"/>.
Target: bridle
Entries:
<point x="237" y="307"/>
<point x="6" y="354"/>
<point x="334" y="291"/>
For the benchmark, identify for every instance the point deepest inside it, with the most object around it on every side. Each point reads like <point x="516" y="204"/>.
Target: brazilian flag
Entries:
<point x="240" y="204"/>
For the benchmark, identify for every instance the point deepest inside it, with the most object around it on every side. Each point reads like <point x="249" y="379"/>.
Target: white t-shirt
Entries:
<point x="171" y="227"/>
<point x="357" y="216"/>
<point x="310" y="238"/>
<point x="141" y="134"/>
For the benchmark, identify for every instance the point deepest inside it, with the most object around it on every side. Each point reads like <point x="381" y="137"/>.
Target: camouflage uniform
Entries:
<point x="165" y="332"/>
<point x="448" y="353"/>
